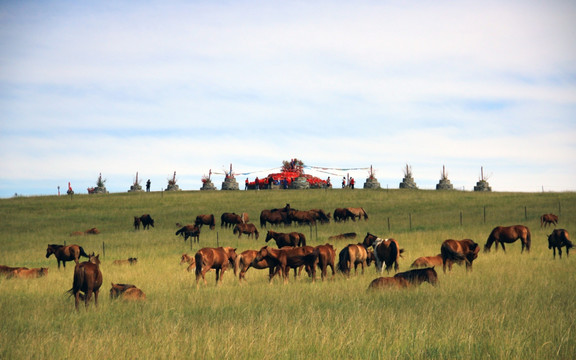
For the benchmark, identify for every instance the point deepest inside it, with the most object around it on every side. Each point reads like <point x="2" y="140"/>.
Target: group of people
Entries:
<point x="350" y="183"/>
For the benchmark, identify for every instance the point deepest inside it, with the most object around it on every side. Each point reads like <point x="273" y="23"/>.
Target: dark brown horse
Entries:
<point x="126" y="292"/>
<point x="146" y="221"/>
<point x="207" y="219"/>
<point x="214" y="258"/>
<point x="509" y="234"/>
<point x="548" y="219"/>
<point x="321" y="215"/>
<point x="192" y="231"/>
<point x="87" y="279"/>
<point x="427" y="261"/>
<point x="458" y="251"/>
<point x="65" y="253"/>
<point x="557" y="240"/>
<point x="388" y="282"/>
<point x="326" y="255"/>
<point x="386" y="251"/>
<point x="289" y="258"/>
<point x="230" y="219"/>
<point x="273" y="217"/>
<point x="247" y="259"/>
<point x="302" y="217"/>
<point x="286" y="239"/>
<point x="249" y="229"/>
<point x="352" y="256"/>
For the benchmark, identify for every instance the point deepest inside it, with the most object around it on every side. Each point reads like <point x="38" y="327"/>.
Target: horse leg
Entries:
<point x="560" y="252"/>
<point x="217" y="276"/>
<point x="554" y="252"/>
<point x="96" y="297"/>
<point x="444" y="261"/>
<point x="503" y="247"/>
<point x="76" y="299"/>
<point x="87" y="296"/>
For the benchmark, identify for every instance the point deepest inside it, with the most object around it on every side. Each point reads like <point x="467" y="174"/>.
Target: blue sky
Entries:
<point x="192" y="86"/>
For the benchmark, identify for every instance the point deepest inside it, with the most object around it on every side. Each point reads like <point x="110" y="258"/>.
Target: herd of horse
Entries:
<point x="293" y="253"/>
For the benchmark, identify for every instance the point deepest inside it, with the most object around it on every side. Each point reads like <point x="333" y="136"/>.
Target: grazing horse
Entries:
<point x="247" y="259"/>
<point x="321" y="215"/>
<point x="87" y="279"/>
<point x="129" y="261"/>
<point x="273" y="217"/>
<point x="326" y="255"/>
<point x="557" y="239"/>
<point x="357" y="213"/>
<point x="249" y="229"/>
<point x="213" y="258"/>
<point x="509" y="234"/>
<point x="205" y="220"/>
<point x="302" y="217"/>
<point x="230" y="219"/>
<point x="192" y="231"/>
<point x="342" y="214"/>
<point x="287" y="258"/>
<point x="548" y="219"/>
<point x="65" y="253"/>
<point x="146" y="221"/>
<point x="386" y="251"/>
<point x="427" y="261"/>
<point x="458" y="251"/>
<point x="285" y="239"/>
<point x="126" y="292"/>
<point x="353" y="255"/>
<point x="25" y="273"/>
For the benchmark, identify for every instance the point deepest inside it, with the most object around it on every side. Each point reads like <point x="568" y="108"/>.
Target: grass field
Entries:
<point x="512" y="306"/>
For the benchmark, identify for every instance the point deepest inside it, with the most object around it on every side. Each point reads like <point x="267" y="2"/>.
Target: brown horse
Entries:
<point x="188" y="259"/>
<point x="418" y="276"/>
<point x="289" y="258"/>
<point x="192" y="231"/>
<point x="458" y="251"/>
<point x="427" y="261"/>
<point x="247" y="259"/>
<point x="65" y="253"/>
<point x="326" y="255"/>
<point x="146" y="221"/>
<point x="286" y="239"/>
<point x="129" y="261"/>
<point x="353" y="255"/>
<point x="25" y="273"/>
<point x="249" y="229"/>
<point x="205" y="220"/>
<point x="557" y="239"/>
<point x="7" y="270"/>
<point x="341" y="214"/>
<point x="302" y="217"/>
<point x="548" y="219"/>
<point x="509" y="234"/>
<point x="214" y="258"/>
<point x="275" y="216"/>
<point x="126" y="292"/>
<point x="357" y="213"/>
<point x="321" y="215"/>
<point x="386" y="251"/>
<point x="388" y="282"/>
<point x="345" y="236"/>
<point x="87" y="279"/>
<point x="230" y="219"/>
<point x="92" y="231"/>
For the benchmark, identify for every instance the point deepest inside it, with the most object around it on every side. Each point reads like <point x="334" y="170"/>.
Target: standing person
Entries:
<point x="352" y="183"/>
<point x="246" y="184"/>
<point x="328" y="183"/>
<point x="343" y="182"/>
<point x="148" y="185"/>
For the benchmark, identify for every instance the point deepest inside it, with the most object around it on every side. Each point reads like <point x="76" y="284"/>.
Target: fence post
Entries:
<point x="460" y="217"/>
<point x="388" y="224"/>
<point x="525" y="213"/>
<point x="217" y="240"/>
<point x="410" y="218"/>
<point x="103" y="250"/>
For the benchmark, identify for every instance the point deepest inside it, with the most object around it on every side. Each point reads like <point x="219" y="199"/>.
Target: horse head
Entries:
<point x="269" y="235"/>
<point x="94" y="259"/>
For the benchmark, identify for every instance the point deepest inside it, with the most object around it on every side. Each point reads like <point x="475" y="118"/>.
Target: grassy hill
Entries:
<point x="511" y="306"/>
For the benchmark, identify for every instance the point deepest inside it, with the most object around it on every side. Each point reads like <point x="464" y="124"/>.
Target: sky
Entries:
<point x="156" y="87"/>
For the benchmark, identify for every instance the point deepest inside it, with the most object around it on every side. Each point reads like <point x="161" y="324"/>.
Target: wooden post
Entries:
<point x="460" y="217"/>
<point x="410" y="218"/>
<point x="525" y="213"/>
<point x="388" y="224"/>
<point x="217" y="240"/>
<point x="103" y="250"/>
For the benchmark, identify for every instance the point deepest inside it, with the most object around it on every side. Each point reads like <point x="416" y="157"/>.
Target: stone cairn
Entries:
<point x="229" y="182"/>
<point x="100" y="186"/>
<point x="136" y="186"/>
<point x="408" y="180"/>
<point x="300" y="183"/>
<point x="482" y="185"/>
<point x="444" y="183"/>
<point x="371" y="181"/>
<point x="172" y="186"/>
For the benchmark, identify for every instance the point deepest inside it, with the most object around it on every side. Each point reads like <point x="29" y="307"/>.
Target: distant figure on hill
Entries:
<point x="148" y="185"/>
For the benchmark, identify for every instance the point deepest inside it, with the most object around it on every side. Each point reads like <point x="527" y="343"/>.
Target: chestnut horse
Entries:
<point x="213" y="258"/>
<point x="249" y="229"/>
<point x="88" y="279"/>
<point x="65" y="253"/>
<point x="188" y="259"/>
<point x="407" y="278"/>
<point x="458" y="251"/>
<point x="126" y="292"/>
<point x="353" y="255"/>
<point x="386" y="251"/>
<point x="192" y="231"/>
<point x="427" y="261"/>
<point x="25" y="273"/>
<point x="557" y="239"/>
<point x="205" y="220"/>
<point x="289" y="257"/>
<point x="509" y="234"/>
<point x="247" y="259"/>
<point x="548" y="219"/>
<point x="326" y="255"/>
<point x="286" y="239"/>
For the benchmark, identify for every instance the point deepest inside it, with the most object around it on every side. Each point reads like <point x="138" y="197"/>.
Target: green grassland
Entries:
<point x="512" y="306"/>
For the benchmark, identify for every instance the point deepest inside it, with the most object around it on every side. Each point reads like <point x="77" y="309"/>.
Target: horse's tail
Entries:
<point x="528" y="239"/>
<point x="365" y="214"/>
<point x="449" y="253"/>
<point x="82" y="252"/>
<point x="302" y="239"/>
<point x="262" y="221"/>
<point x="489" y="242"/>
<point x="199" y="263"/>
<point x="343" y="258"/>
<point x="237" y="262"/>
